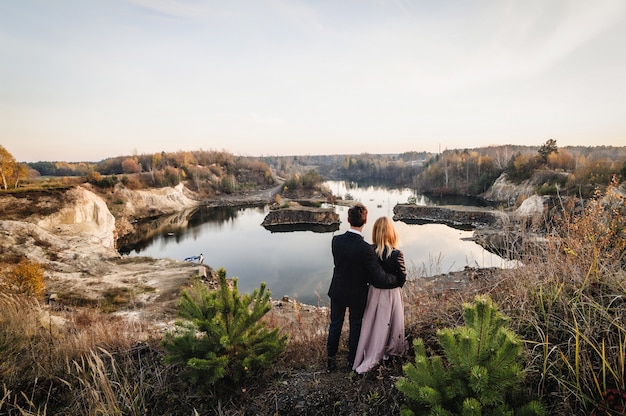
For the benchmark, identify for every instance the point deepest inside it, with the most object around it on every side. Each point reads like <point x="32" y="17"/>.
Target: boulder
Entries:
<point x="534" y="205"/>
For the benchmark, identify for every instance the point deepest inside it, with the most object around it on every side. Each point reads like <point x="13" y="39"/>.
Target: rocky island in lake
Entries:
<point x="296" y="217"/>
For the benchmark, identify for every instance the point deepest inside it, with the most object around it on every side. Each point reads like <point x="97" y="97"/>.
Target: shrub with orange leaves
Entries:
<point x="25" y="278"/>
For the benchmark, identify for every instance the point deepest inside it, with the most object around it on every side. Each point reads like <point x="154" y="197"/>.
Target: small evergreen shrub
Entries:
<point x="227" y="184"/>
<point x="547" y="189"/>
<point x="221" y="336"/>
<point x="480" y="374"/>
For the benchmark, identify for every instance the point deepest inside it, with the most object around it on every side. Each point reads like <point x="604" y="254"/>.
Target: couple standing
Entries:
<point x="367" y="281"/>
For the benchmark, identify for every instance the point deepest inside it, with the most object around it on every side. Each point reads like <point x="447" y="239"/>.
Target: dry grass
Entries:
<point x="307" y="328"/>
<point x="36" y="350"/>
<point x="115" y="384"/>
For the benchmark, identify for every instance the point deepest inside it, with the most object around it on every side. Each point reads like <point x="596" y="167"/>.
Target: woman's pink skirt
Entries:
<point x="382" y="332"/>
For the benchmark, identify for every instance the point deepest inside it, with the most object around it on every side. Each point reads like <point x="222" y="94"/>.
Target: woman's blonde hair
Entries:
<point x="384" y="236"/>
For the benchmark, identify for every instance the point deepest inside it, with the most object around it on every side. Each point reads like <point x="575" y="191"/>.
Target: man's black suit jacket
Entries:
<point x="356" y="266"/>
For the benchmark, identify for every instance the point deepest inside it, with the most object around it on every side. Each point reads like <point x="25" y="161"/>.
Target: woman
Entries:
<point x="382" y="332"/>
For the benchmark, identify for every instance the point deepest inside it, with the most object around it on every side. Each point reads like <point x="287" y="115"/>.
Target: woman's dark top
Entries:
<point x="394" y="264"/>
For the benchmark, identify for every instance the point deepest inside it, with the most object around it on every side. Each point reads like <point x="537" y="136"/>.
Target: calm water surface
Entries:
<point x="299" y="264"/>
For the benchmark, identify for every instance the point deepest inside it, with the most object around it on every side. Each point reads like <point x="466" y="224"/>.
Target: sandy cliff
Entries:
<point x="149" y="202"/>
<point x="508" y="192"/>
<point x="74" y="240"/>
<point x="88" y="217"/>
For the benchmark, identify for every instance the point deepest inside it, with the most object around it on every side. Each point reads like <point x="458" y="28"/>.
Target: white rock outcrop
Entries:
<point x="75" y="244"/>
<point x="159" y="200"/>
<point x="88" y="216"/>
<point x="531" y="206"/>
<point x="503" y="190"/>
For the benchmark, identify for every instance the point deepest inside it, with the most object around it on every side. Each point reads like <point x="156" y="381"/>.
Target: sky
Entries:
<point x="87" y="80"/>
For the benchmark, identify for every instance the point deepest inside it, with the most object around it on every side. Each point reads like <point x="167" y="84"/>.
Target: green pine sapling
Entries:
<point x="221" y="336"/>
<point x="479" y="374"/>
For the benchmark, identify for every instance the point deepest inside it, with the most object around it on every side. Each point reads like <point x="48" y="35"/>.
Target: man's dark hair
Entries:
<point x="357" y="215"/>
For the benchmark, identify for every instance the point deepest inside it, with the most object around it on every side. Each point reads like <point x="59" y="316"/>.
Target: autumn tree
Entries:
<point x="21" y="172"/>
<point x="562" y="160"/>
<point x="501" y="157"/>
<point x="547" y="149"/>
<point x="131" y="165"/>
<point x="520" y="167"/>
<point x="8" y="166"/>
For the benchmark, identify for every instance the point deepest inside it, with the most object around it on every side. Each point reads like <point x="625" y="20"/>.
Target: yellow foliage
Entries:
<point x="8" y="166"/>
<point x="598" y="233"/>
<point x="520" y="161"/>
<point x="26" y="278"/>
<point x="94" y="176"/>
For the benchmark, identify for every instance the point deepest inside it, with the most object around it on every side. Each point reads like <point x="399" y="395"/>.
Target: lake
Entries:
<point x="299" y="264"/>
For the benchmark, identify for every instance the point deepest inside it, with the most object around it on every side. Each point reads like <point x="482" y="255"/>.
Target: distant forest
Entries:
<point x="572" y="169"/>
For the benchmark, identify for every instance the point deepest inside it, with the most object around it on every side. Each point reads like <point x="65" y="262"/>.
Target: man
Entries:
<point x="355" y="267"/>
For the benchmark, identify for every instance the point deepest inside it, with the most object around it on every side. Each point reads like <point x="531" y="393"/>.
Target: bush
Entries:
<point x="548" y="189"/>
<point x="227" y="184"/>
<point x="481" y="373"/>
<point x="310" y="180"/>
<point x="221" y="336"/>
<point x="25" y="278"/>
<point x="521" y="167"/>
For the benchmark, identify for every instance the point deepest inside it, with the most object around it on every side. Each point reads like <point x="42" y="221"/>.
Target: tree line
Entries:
<point x="570" y="169"/>
<point x="206" y="172"/>
<point x="457" y="171"/>
<point x="470" y="171"/>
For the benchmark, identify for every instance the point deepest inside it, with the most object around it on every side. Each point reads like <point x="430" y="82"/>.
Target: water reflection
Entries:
<point x="463" y="227"/>
<point x="178" y="226"/>
<point x="289" y="228"/>
<point x="298" y="262"/>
